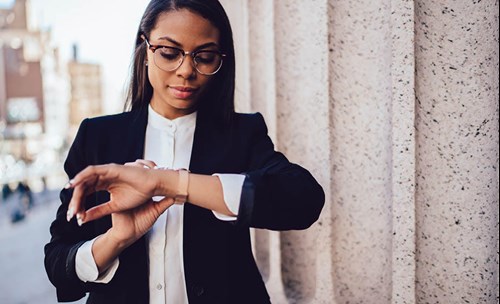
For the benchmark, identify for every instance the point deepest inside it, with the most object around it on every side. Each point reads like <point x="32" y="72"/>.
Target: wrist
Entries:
<point x="167" y="181"/>
<point x="120" y="243"/>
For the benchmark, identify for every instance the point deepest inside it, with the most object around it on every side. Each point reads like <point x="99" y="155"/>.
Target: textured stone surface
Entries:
<point x="302" y="124"/>
<point x="393" y="106"/>
<point x="403" y="152"/>
<point x="361" y="90"/>
<point x="263" y="61"/>
<point x="457" y="151"/>
<point x="239" y="17"/>
<point x="263" y="99"/>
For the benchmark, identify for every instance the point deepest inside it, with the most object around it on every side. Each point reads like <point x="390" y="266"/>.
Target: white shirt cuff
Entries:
<point x="232" y="185"/>
<point x="86" y="268"/>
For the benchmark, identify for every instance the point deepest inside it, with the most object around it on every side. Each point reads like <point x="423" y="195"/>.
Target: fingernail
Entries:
<point x="79" y="219"/>
<point x="70" y="213"/>
<point x="146" y="167"/>
<point x="68" y="184"/>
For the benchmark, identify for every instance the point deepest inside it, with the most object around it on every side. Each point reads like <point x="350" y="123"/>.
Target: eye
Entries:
<point x="206" y="57"/>
<point x="168" y="53"/>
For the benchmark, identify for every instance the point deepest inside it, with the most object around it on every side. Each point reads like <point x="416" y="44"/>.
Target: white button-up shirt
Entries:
<point x="169" y="144"/>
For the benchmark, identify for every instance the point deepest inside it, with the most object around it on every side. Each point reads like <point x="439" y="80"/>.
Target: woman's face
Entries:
<point x="177" y="93"/>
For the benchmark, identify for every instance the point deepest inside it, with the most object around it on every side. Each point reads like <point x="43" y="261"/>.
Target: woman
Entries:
<point x="142" y="233"/>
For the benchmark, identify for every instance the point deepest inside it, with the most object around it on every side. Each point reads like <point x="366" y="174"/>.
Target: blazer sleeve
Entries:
<point x="277" y="194"/>
<point x="67" y="237"/>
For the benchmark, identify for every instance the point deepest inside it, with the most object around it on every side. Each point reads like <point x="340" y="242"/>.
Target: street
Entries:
<point x="23" y="279"/>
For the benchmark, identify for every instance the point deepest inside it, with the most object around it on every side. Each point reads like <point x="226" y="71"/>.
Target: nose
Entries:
<point x="186" y="70"/>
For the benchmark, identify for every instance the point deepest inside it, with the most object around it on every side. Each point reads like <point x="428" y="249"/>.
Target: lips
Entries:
<point x="182" y="92"/>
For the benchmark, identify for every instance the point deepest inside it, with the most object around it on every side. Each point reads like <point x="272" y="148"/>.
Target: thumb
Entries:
<point x="164" y="204"/>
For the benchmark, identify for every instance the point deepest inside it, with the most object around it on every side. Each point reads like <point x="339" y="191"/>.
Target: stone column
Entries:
<point x="302" y="109"/>
<point x="361" y="101"/>
<point x="403" y="152"/>
<point x="457" y="151"/>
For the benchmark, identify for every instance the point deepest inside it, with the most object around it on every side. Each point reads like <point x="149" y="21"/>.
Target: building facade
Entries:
<point x="33" y="97"/>
<point x="86" y="90"/>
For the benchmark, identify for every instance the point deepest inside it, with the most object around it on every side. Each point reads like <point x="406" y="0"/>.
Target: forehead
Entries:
<point x="185" y="27"/>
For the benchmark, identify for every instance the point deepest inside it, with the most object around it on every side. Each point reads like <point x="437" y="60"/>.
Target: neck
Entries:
<point x="171" y="113"/>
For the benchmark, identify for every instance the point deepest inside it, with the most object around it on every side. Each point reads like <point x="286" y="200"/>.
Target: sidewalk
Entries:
<point x="23" y="279"/>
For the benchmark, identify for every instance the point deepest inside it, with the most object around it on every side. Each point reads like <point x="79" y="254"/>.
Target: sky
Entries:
<point x="103" y="30"/>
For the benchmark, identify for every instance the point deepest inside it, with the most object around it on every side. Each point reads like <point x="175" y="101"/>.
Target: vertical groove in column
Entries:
<point x="361" y="90"/>
<point x="238" y="16"/>
<point x="403" y="152"/>
<point x="302" y="125"/>
<point x="263" y="95"/>
<point x="263" y="61"/>
<point x="457" y="151"/>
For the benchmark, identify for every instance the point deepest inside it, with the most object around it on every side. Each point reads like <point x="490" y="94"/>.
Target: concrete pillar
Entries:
<point x="457" y="151"/>
<point x="302" y="107"/>
<point x="403" y="152"/>
<point x="361" y="97"/>
<point x="263" y="99"/>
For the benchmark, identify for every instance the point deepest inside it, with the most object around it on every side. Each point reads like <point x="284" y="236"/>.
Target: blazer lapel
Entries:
<point x="136" y="134"/>
<point x="209" y="146"/>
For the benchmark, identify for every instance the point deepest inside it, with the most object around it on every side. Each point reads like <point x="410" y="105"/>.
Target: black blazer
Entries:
<point x="218" y="261"/>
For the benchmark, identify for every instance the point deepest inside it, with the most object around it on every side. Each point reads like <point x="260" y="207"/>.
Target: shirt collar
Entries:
<point x="157" y="121"/>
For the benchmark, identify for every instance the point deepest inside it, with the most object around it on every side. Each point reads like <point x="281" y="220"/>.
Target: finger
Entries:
<point x="137" y="165"/>
<point x="147" y="163"/>
<point x="75" y="205"/>
<point x="97" y="212"/>
<point x="87" y="174"/>
<point x="164" y="204"/>
<point x="88" y="181"/>
<point x="99" y="176"/>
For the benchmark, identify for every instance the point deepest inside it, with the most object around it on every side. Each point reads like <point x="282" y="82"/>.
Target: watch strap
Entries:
<point x="182" y="188"/>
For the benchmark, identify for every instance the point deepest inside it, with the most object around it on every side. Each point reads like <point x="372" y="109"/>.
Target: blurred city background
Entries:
<point x="60" y="62"/>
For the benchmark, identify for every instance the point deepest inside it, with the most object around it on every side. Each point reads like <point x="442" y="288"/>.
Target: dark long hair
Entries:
<point x="218" y="100"/>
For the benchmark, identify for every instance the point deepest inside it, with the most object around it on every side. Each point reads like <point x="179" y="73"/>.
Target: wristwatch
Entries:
<point x="182" y="188"/>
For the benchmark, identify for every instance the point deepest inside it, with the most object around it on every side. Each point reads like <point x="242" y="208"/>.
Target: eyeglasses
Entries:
<point x="168" y="59"/>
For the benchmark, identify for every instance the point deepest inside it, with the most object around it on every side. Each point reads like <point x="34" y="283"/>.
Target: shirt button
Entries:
<point x="159" y="286"/>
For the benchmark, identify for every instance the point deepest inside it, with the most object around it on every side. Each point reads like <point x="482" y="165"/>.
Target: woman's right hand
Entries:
<point x="129" y="225"/>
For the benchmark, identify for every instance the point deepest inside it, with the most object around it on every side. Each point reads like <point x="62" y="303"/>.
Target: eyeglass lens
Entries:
<point x="205" y="62"/>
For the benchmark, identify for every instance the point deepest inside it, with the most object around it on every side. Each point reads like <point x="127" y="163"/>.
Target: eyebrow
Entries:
<point x="205" y="45"/>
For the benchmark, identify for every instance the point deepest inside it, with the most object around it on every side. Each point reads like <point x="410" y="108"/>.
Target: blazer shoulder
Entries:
<point x="250" y="121"/>
<point x="115" y="124"/>
<point x="114" y="119"/>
